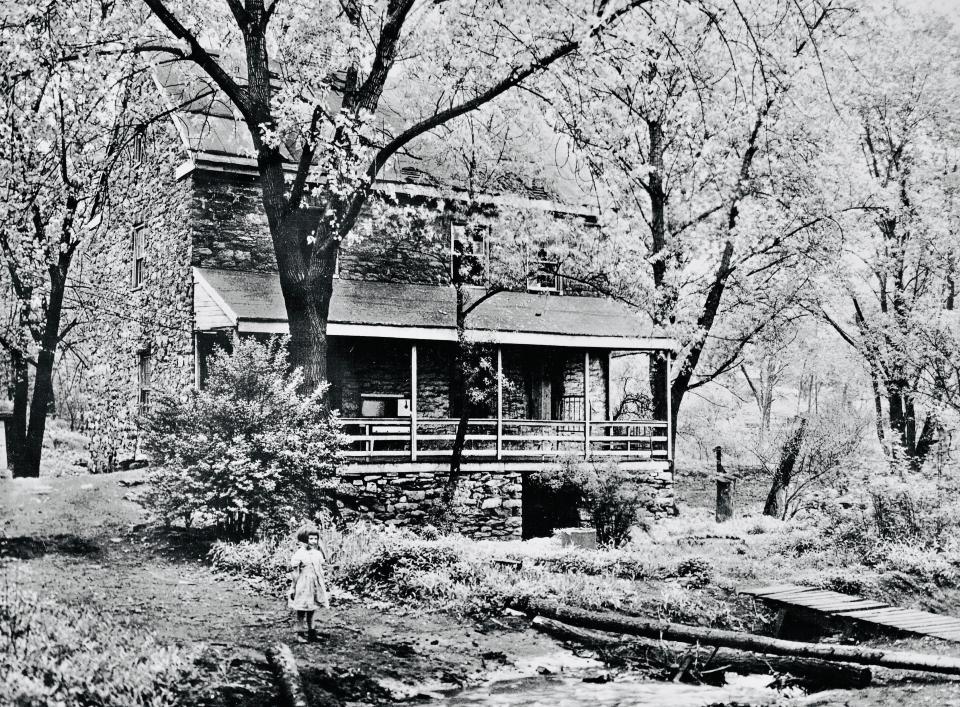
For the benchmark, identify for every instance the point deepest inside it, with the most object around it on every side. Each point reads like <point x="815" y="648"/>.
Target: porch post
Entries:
<point x="196" y="360"/>
<point x="499" y="402"/>
<point x="586" y="404"/>
<point x="609" y="416"/>
<point x="413" y="402"/>
<point x="669" y="413"/>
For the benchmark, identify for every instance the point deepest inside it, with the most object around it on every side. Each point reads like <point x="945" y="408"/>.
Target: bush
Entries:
<point x="611" y="495"/>
<point x="248" y="452"/>
<point x="56" y="655"/>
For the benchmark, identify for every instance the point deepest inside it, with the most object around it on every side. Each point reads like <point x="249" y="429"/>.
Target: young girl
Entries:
<point x="308" y="592"/>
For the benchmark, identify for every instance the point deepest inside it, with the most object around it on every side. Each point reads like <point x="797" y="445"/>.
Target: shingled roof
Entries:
<point x="252" y="302"/>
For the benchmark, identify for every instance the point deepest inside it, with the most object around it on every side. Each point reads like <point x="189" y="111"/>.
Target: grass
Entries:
<point x="894" y="544"/>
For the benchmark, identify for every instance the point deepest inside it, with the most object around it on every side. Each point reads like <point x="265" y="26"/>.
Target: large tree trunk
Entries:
<point x="43" y="376"/>
<point x="307" y="312"/>
<point x="306" y="280"/>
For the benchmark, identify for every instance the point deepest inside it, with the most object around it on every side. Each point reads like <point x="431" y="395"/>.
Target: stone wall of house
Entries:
<point x="572" y="376"/>
<point x="488" y="504"/>
<point x="412" y="245"/>
<point x="229" y="226"/>
<point x="155" y="318"/>
<point x="516" y="383"/>
<point x="383" y="366"/>
<point x="656" y="493"/>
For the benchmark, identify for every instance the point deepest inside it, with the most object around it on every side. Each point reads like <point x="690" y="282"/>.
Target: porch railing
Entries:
<point x="386" y="439"/>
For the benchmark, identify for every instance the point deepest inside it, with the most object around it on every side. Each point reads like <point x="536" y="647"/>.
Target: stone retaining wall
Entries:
<point x="488" y="503"/>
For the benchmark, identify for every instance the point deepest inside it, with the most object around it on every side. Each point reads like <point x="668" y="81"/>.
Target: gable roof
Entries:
<point x="253" y="302"/>
<point x="216" y="138"/>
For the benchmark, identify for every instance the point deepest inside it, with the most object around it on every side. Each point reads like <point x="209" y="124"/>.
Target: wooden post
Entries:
<point x="196" y="360"/>
<point x="669" y="412"/>
<point x="499" y="402"/>
<point x="609" y="416"/>
<point x="586" y="404"/>
<point x="4" y="462"/>
<point x="724" y="491"/>
<point x="413" y="402"/>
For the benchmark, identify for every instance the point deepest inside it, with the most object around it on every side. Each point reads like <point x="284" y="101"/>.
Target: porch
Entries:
<point x="556" y="361"/>
<point x="398" y="406"/>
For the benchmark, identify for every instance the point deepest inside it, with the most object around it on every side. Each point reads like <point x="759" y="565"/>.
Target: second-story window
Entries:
<point x="469" y="253"/>
<point x="139" y="255"/>
<point x="144" y="381"/>
<point x="543" y="274"/>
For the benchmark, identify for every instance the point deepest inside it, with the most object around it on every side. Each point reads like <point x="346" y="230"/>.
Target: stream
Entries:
<point x="558" y="681"/>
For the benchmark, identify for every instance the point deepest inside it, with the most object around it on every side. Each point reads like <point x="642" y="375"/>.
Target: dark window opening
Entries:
<point x="543" y="274"/>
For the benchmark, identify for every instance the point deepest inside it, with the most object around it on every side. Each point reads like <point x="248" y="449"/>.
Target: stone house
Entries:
<point x="200" y="270"/>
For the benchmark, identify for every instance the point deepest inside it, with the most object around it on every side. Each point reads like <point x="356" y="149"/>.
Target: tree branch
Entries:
<point x="202" y="57"/>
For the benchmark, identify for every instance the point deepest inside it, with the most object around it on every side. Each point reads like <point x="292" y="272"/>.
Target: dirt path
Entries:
<point x="81" y="540"/>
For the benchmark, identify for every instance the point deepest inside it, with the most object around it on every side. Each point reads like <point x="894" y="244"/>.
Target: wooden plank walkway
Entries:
<point x="852" y="608"/>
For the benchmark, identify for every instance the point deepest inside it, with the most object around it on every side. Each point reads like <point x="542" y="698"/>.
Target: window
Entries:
<point x="144" y="374"/>
<point x="468" y="249"/>
<point x="138" y="146"/>
<point x="543" y="274"/>
<point x="384" y="405"/>
<point x="139" y="254"/>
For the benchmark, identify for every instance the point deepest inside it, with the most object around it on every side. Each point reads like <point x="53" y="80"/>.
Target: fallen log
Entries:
<point x="284" y="665"/>
<point x="667" y="631"/>
<point x="823" y="674"/>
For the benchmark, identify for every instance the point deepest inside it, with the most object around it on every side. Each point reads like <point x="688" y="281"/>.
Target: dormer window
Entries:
<point x="543" y="274"/>
<point x="469" y="253"/>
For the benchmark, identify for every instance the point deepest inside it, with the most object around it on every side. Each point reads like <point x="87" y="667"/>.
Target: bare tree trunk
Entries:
<point x="658" y="232"/>
<point x="460" y="393"/>
<point x="43" y="376"/>
<point x="781" y="478"/>
<point x="18" y="423"/>
<point x="705" y="322"/>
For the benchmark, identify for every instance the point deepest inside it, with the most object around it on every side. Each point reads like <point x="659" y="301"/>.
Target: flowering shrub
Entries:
<point x="56" y="655"/>
<point x="248" y="452"/>
<point x="612" y="496"/>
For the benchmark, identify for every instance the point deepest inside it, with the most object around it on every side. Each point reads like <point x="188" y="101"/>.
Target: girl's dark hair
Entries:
<point x="304" y="533"/>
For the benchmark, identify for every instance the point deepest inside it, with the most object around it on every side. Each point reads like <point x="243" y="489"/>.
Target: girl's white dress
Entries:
<point x="309" y="592"/>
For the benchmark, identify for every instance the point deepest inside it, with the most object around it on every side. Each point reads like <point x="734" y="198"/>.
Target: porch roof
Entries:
<point x="252" y="302"/>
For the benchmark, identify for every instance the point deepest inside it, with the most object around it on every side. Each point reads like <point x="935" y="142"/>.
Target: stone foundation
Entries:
<point x="656" y="497"/>
<point x="488" y="504"/>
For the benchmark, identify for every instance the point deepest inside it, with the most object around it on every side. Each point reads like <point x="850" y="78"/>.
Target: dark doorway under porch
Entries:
<point x="545" y="509"/>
